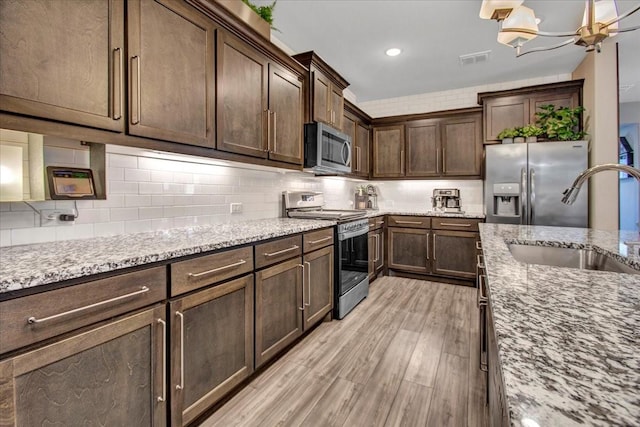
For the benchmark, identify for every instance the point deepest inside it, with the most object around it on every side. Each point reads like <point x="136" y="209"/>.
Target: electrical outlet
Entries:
<point x="51" y="217"/>
<point x="236" y="208"/>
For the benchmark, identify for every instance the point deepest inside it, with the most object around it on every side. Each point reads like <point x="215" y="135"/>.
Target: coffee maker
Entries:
<point x="446" y="200"/>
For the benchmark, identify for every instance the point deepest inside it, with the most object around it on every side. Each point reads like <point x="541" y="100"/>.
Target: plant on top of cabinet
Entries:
<point x="560" y="123"/>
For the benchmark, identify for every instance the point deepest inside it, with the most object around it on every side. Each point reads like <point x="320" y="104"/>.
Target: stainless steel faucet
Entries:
<point x="571" y="193"/>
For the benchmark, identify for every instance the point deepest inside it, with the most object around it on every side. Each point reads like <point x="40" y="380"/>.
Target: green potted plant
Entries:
<point x="519" y="136"/>
<point x="265" y="12"/>
<point x="507" y="135"/>
<point x="560" y="123"/>
<point x="531" y="132"/>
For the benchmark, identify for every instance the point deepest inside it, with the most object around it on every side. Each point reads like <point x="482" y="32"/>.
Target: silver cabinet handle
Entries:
<point x="444" y="161"/>
<point x="438" y="160"/>
<point x="268" y="114"/>
<point x="308" y="268"/>
<point x="532" y="183"/>
<point x="181" y="385"/>
<point x="215" y="270"/>
<point x="402" y="161"/>
<point x="117" y="83"/>
<point x="434" y="246"/>
<point x="480" y="260"/>
<point x="164" y="361"/>
<point x="478" y="245"/>
<point x="483" y="333"/>
<point x="275" y="131"/>
<point x="408" y="222"/>
<point x="329" y="116"/>
<point x="428" y="245"/>
<point x="313" y="242"/>
<point x="377" y="239"/>
<point x="292" y="248"/>
<point x="382" y="222"/>
<point x="482" y="298"/>
<point x="32" y="320"/>
<point x="303" y="303"/>
<point x="450" y="224"/>
<point x="135" y="92"/>
<point x="359" y="158"/>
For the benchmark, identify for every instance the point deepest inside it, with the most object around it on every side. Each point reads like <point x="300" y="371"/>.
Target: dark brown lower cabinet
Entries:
<point x="409" y="249"/>
<point x="318" y="285"/>
<point x="211" y="346"/>
<point x="279" y="308"/>
<point x="498" y="413"/>
<point x="454" y="253"/>
<point x="109" y="375"/>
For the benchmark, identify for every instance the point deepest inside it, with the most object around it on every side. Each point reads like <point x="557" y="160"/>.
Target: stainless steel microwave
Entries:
<point x="326" y="150"/>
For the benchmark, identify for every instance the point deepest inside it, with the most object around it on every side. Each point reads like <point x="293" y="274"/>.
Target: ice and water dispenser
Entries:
<point x="506" y="199"/>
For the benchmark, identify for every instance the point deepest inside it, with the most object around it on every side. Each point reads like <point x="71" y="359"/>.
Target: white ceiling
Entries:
<point x="352" y="35"/>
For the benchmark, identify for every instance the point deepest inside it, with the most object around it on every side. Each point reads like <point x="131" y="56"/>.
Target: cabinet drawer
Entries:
<point x="205" y="270"/>
<point x="461" y="224"/>
<point x="33" y="318"/>
<point x="377" y="222"/>
<point x="409" y="221"/>
<point x="317" y="239"/>
<point x="278" y="250"/>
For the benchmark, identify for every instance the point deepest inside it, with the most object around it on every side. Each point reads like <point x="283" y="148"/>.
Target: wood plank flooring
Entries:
<point x="406" y="356"/>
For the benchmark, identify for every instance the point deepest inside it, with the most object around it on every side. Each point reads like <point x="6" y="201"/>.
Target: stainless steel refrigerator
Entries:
<point x="524" y="183"/>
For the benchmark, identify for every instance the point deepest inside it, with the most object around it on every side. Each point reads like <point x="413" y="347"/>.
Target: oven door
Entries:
<point x="353" y="266"/>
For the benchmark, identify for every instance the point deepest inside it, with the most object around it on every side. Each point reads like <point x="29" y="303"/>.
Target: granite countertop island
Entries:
<point x="568" y="339"/>
<point x="27" y="266"/>
<point x="425" y="212"/>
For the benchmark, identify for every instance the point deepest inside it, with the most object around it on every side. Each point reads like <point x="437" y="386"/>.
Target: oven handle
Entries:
<point x="351" y="234"/>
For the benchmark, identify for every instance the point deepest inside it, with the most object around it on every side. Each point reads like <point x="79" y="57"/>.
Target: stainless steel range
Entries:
<point x="351" y="255"/>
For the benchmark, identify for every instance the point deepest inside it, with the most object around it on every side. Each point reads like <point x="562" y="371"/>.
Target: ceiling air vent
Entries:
<point x="474" y="58"/>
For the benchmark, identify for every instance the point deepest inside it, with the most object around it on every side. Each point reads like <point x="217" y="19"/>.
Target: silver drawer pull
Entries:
<point x="454" y="224"/>
<point x="313" y="242"/>
<point x="32" y="320"/>
<point x="181" y="385"/>
<point x="292" y="248"/>
<point x="215" y="270"/>
<point x="408" y="222"/>
<point x="164" y="362"/>
<point x="480" y="259"/>
<point x="382" y="222"/>
<point x="478" y="245"/>
<point x="482" y="298"/>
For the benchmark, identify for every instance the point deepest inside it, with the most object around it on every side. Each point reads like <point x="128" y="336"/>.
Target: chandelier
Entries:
<point x="518" y="24"/>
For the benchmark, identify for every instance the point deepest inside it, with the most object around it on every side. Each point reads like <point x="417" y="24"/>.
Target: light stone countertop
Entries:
<point x="425" y="212"/>
<point x="568" y="339"/>
<point x="26" y="266"/>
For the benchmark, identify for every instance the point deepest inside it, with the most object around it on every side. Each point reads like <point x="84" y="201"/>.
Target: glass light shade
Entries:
<point x="490" y="6"/>
<point x="606" y="10"/>
<point x="521" y="18"/>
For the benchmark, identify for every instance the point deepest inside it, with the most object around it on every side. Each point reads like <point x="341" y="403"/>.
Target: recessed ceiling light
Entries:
<point x="394" y="51"/>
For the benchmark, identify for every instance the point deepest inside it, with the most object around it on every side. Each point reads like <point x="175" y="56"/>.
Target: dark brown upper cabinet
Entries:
<point x="435" y="145"/>
<point x="260" y="104"/>
<point x="518" y="107"/>
<point x="356" y="124"/>
<point x="64" y="61"/>
<point x="325" y="101"/>
<point x="171" y="72"/>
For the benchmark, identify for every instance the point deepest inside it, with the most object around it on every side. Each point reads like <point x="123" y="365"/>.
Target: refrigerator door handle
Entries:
<point x="523" y="196"/>
<point x="532" y="195"/>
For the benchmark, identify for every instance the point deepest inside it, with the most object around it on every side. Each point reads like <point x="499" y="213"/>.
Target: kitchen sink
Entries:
<point x="585" y="259"/>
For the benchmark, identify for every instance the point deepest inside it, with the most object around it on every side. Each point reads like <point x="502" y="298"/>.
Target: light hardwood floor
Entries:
<point x="406" y="356"/>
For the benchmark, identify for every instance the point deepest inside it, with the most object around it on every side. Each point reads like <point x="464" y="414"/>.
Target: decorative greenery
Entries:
<point x="561" y="123"/>
<point x="508" y="133"/>
<point x="530" y="130"/>
<point x="265" y="12"/>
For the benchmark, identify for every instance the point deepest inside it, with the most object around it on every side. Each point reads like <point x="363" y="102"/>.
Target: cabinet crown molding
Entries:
<point x="568" y="84"/>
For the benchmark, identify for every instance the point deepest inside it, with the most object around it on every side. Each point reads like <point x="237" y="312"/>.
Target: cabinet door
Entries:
<point x="321" y="105"/>
<point x="337" y="106"/>
<point x="318" y="285"/>
<point x="409" y="249"/>
<point x="562" y="99"/>
<point x="423" y="148"/>
<point x="502" y="113"/>
<point x="109" y="375"/>
<point x="388" y="151"/>
<point x="63" y="61"/>
<point x="211" y="346"/>
<point x="462" y="146"/>
<point x="454" y="253"/>
<point x="362" y="149"/>
<point x="242" y="98"/>
<point x="171" y="73"/>
<point x="285" y="110"/>
<point x="278" y="308"/>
